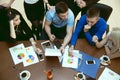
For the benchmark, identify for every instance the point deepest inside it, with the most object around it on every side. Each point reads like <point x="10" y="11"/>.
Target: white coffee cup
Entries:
<point x="24" y="75"/>
<point x="106" y="58"/>
<point x="81" y="76"/>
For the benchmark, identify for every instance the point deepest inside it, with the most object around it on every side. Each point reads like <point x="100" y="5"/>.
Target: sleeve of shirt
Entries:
<point x="102" y="28"/>
<point x="89" y="38"/>
<point x="70" y="21"/>
<point x="78" y="29"/>
<point x="48" y="16"/>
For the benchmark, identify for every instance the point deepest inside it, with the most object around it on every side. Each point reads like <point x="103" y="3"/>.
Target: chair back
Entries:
<point x="105" y="10"/>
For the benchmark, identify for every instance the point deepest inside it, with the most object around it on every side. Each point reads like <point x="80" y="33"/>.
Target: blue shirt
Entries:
<point x="57" y="22"/>
<point x="98" y="29"/>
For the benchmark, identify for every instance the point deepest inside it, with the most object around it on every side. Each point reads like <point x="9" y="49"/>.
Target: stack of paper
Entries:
<point x="21" y="54"/>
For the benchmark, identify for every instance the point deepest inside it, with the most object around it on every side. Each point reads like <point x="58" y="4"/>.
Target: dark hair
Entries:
<point x="61" y="7"/>
<point x="93" y="12"/>
<point x="12" y="14"/>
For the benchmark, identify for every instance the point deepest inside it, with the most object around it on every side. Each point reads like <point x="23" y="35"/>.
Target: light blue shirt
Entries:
<point x="52" y="17"/>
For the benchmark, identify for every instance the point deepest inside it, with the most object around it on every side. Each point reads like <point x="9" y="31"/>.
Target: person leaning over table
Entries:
<point x="59" y="24"/>
<point x="7" y="5"/>
<point x="90" y="26"/>
<point x="15" y="26"/>
<point x="111" y="43"/>
<point x="83" y="6"/>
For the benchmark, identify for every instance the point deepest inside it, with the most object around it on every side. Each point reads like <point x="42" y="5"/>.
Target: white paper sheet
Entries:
<point x="18" y="53"/>
<point x="108" y="74"/>
<point x="52" y="52"/>
<point x="69" y="61"/>
<point x="21" y="54"/>
<point x="32" y="57"/>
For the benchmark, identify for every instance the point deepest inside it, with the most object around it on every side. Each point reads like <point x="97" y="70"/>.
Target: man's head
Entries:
<point x="92" y="16"/>
<point x="62" y="10"/>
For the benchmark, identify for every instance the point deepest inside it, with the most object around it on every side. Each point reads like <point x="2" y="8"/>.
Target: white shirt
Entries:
<point x="31" y="1"/>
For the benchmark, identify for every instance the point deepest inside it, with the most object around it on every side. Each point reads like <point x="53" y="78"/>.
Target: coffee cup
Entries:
<point x="106" y="59"/>
<point x="81" y="76"/>
<point x="24" y="75"/>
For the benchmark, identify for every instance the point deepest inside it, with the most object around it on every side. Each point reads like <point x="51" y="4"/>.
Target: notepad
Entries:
<point x="109" y="74"/>
<point x="52" y="52"/>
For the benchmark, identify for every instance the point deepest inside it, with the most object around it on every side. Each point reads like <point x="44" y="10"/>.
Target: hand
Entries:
<point x="32" y="41"/>
<point x="38" y="51"/>
<point x="86" y="28"/>
<point x="70" y="50"/>
<point x="95" y="39"/>
<point x="5" y="5"/>
<point x="46" y="1"/>
<point x="107" y="50"/>
<point x="11" y="22"/>
<point x="49" y="7"/>
<point x="62" y="49"/>
<point x="52" y="37"/>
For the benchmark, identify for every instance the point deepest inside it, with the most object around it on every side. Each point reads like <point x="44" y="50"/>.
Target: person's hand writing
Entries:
<point x="70" y="50"/>
<point x="62" y="49"/>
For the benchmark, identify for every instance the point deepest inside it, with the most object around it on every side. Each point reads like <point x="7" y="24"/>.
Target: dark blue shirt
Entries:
<point x="98" y="29"/>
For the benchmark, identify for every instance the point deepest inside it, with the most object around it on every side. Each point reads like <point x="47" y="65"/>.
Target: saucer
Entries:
<point x="27" y="75"/>
<point x="79" y="76"/>
<point x="103" y="62"/>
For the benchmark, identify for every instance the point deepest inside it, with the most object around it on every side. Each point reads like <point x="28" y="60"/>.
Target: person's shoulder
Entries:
<point x="102" y="20"/>
<point x="51" y="11"/>
<point x="83" y="16"/>
<point x="70" y="12"/>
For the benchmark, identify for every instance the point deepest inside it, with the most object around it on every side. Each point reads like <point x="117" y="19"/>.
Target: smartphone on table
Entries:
<point x="90" y="62"/>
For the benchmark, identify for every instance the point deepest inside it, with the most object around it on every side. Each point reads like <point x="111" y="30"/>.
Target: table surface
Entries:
<point x="9" y="71"/>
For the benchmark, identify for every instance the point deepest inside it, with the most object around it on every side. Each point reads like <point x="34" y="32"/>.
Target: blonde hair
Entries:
<point x="115" y="35"/>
